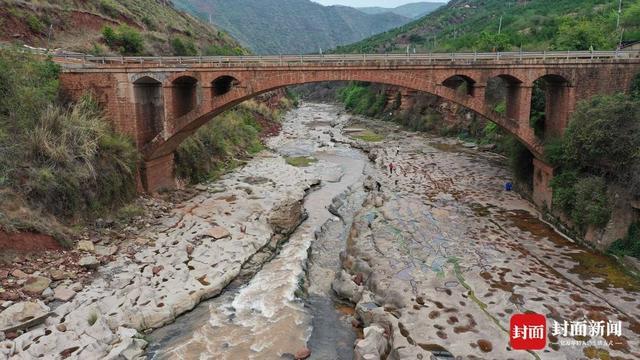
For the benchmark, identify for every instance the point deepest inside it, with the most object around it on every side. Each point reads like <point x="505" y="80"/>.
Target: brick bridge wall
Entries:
<point x="161" y="106"/>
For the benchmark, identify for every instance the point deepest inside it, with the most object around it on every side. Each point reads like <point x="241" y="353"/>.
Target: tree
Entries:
<point x="580" y="35"/>
<point x="492" y="42"/>
<point x="603" y="136"/>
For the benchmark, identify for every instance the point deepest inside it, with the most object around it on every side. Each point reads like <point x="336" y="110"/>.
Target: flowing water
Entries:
<point x="265" y="318"/>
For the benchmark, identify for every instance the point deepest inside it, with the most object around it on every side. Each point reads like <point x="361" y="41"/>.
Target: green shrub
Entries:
<point x="183" y="47"/>
<point x="109" y="8"/>
<point x="564" y="192"/>
<point x="35" y="24"/>
<point x="362" y="100"/>
<point x="149" y="23"/>
<point x="591" y="205"/>
<point x="583" y="198"/>
<point x="124" y="39"/>
<point x="214" y="148"/>
<point x="630" y="244"/>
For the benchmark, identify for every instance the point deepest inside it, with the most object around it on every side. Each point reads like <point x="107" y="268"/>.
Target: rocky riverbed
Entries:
<point x="431" y="260"/>
<point x="441" y="257"/>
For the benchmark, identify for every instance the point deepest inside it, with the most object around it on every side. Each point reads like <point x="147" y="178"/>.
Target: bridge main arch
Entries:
<point x="224" y="96"/>
<point x="224" y="90"/>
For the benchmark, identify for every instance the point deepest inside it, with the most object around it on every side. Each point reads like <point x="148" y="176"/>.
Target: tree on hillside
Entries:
<point x="581" y="35"/>
<point x="492" y="42"/>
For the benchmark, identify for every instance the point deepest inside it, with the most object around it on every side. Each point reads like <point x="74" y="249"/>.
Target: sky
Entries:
<point x="365" y="3"/>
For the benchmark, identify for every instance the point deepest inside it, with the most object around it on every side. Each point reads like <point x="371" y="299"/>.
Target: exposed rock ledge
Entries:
<point x="193" y="256"/>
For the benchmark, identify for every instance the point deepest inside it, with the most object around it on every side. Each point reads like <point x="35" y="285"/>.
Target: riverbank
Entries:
<point x="195" y="252"/>
<point x="442" y="256"/>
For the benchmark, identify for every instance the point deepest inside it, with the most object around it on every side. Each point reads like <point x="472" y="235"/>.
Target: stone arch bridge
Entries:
<point x="160" y="102"/>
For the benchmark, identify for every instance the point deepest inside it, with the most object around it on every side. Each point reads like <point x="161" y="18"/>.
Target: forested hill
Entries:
<point x="139" y="27"/>
<point x="468" y="25"/>
<point x="291" y="26"/>
<point x="412" y="10"/>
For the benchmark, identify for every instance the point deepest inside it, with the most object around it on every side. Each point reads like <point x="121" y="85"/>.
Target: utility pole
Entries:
<point x="49" y="37"/>
<point x="619" y="13"/>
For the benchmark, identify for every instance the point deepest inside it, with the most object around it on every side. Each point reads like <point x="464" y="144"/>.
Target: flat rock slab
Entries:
<point x="63" y="293"/>
<point x="89" y="262"/>
<point x="218" y="232"/>
<point x="22" y="316"/>
<point x="106" y="250"/>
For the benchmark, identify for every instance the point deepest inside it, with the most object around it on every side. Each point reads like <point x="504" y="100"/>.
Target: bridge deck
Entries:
<point x="87" y="61"/>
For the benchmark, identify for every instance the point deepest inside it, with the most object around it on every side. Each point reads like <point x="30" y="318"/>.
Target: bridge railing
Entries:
<point x="344" y="59"/>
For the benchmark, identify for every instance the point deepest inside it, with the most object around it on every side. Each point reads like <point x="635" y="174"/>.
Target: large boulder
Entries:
<point x="373" y="346"/>
<point x="286" y="217"/>
<point x="346" y="288"/>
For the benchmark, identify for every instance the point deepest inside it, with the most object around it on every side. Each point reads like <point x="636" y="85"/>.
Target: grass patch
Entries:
<point x="129" y="211"/>
<point x="301" y="161"/>
<point x="93" y="317"/>
<point x="369" y="136"/>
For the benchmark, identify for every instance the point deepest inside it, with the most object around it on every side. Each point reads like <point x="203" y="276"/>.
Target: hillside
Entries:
<point x="470" y="25"/>
<point x="153" y="26"/>
<point x="290" y="26"/>
<point x="413" y="10"/>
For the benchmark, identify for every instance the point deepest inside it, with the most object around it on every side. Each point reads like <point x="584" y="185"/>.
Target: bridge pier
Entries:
<point x="158" y="174"/>
<point x="542" y="192"/>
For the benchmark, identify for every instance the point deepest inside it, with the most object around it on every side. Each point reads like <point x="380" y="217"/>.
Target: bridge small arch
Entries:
<point x="549" y="106"/>
<point x="462" y="84"/>
<point x="184" y="95"/>
<point x="223" y="85"/>
<point x="149" y="108"/>
<point x="503" y="95"/>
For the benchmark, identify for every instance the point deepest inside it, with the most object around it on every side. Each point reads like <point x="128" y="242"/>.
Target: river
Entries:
<point x="437" y="262"/>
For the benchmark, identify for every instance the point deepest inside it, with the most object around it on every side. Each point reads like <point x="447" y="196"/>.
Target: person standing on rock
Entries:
<point x="379" y="186"/>
<point x="390" y="168"/>
<point x="398" y="150"/>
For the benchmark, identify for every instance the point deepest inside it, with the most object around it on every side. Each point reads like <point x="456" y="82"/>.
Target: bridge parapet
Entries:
<point x="86" y="61"/>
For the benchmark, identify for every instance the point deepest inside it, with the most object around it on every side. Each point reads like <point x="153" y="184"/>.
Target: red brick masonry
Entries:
<point x="160" y="106"/>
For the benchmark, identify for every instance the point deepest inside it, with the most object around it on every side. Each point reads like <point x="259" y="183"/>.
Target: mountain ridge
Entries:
<point x="495" y="25"/>
<point x="411" y="10"/>
<point x="290" y="26"/>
